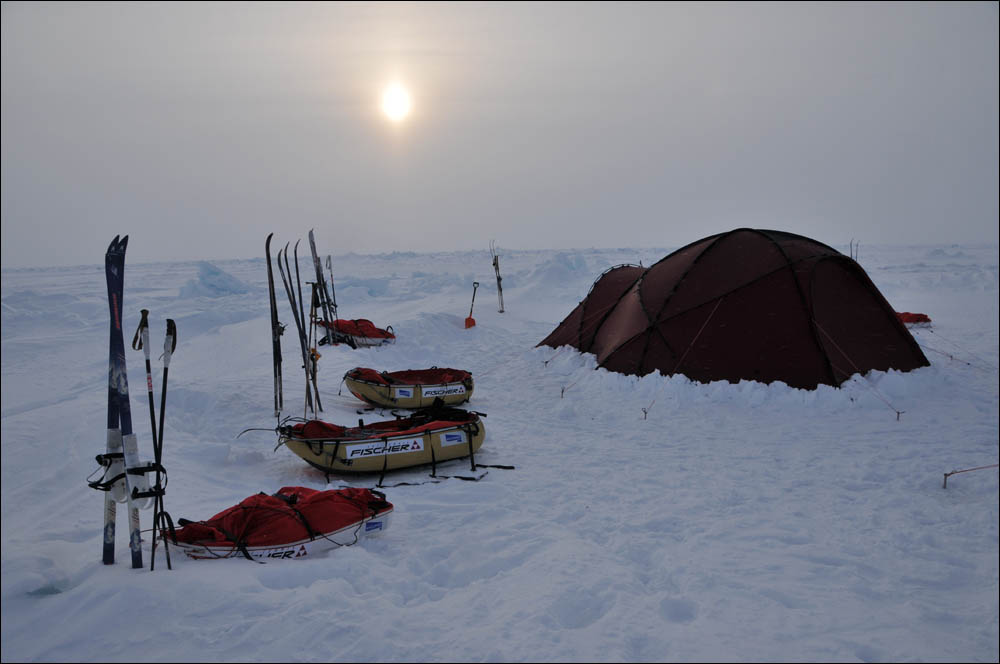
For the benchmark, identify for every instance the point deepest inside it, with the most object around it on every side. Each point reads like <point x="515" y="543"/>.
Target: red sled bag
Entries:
<point x="910" y="319"/>
<point x="357" y="333"/>
<point x="295" y="522"/>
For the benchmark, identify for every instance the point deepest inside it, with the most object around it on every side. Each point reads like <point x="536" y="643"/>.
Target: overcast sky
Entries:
<point x="199" y="128"/>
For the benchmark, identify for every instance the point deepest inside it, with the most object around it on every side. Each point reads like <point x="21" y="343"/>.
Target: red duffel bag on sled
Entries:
<point x="295" y="522"/>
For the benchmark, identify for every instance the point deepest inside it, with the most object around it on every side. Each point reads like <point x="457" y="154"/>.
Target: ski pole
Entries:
<point x="160" y="516"/>
<point x="141" y="342"/>
<point x="333" y="293"/>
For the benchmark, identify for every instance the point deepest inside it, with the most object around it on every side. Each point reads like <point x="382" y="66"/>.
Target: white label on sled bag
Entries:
<point x="403" y="393"/>
<point x="380" y="448"/>
<point x="444" y="390"/>
<point x="452" y="438"/>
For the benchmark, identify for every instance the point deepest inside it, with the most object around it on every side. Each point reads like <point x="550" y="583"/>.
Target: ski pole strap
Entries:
<point x="163" y="519"/>
<point x="143" y="327"/>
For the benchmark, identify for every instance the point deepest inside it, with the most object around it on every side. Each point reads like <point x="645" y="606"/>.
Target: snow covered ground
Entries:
<point x="734" y="522"/>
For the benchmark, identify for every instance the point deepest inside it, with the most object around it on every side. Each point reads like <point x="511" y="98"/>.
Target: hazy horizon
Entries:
<point x="199" y="128"/>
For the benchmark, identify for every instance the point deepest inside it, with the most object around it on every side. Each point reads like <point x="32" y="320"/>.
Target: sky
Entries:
<point x="202" y="127"/>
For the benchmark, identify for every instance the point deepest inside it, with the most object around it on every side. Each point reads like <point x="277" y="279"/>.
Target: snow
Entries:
<point x="651" y="519"/>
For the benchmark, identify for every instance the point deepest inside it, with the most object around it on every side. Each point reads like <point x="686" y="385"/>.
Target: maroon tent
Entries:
<point x="748" y="304"/>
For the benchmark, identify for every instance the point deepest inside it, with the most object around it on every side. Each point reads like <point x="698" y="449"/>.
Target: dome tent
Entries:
<point x="748" y="304"/>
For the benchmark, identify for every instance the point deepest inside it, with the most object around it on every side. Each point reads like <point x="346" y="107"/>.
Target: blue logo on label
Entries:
<point x="405" y="392"/>
<point x="453" y="438"/>
<point x="373" y="525"/>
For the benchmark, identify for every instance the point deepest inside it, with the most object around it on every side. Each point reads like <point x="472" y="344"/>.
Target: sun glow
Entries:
<point x="396" y="103"/>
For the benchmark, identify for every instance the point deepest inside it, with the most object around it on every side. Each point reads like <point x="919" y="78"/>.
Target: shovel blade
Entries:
<point x="470" y="322"/>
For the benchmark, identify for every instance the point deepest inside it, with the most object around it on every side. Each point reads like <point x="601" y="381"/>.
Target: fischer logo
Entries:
<point x="444" y="390"/>
<point x="379" y="448"/>
<point x="284" y="555"/>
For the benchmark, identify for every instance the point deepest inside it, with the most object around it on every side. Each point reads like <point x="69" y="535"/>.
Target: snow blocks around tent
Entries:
<point x="295" y="522"/>
<point x="427" y="437"/>
<point x="410" y="389"/>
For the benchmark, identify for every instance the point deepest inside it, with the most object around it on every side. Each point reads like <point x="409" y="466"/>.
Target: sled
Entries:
<point x="410" y="389"/>
<point x="912" y="320"/>
<point x="296" y="522"/>
<point x="427" y="437"/>
<point x="358" y="333"/>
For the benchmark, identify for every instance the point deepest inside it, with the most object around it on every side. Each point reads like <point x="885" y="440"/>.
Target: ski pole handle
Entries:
<point x="169" y="342"/>
<point x="141" y="339"/>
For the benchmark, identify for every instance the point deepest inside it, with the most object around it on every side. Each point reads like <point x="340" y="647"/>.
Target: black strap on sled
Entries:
<point x="385" y="460"/>
<point x="238" y="543"/>
<point x="290" y="501"/>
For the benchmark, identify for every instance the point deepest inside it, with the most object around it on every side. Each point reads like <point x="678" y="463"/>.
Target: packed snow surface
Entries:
<point x="646" y="519"/>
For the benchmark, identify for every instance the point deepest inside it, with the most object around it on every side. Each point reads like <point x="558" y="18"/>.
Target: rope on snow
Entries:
<point x="967" y="470"/>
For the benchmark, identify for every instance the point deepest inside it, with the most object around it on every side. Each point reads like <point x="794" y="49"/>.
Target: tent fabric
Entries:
<point x="748" y="304"/>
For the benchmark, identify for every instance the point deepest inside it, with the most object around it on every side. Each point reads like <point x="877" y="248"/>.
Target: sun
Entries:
<point x="396" y="102"/>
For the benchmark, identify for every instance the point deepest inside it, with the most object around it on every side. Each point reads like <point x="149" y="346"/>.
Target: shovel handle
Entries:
<point x="475" y="285"/>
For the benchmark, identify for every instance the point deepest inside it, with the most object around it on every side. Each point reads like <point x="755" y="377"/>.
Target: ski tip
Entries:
<point x="113" y="245"/>
<point x="123" y="243"/>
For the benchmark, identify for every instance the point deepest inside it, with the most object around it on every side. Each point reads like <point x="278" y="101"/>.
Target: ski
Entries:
<point x="496" y="268"/>
<point x="118" y="397"/>
<point x="313" y="343"/>
<point x="286" y="279"/>
<point x="311" y="365"/>
<point x="324" y="296"/>
<point x="276" y="331"/>
<point x="113" y="461"/>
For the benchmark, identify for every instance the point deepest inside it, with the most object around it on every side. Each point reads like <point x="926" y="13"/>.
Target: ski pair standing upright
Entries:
<point x="327" y="302"/>
<point x="124" y="478"/>
<point x="496" y="268"/>
<point x="297" y="304"/>
<point x="277" y="329"/>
